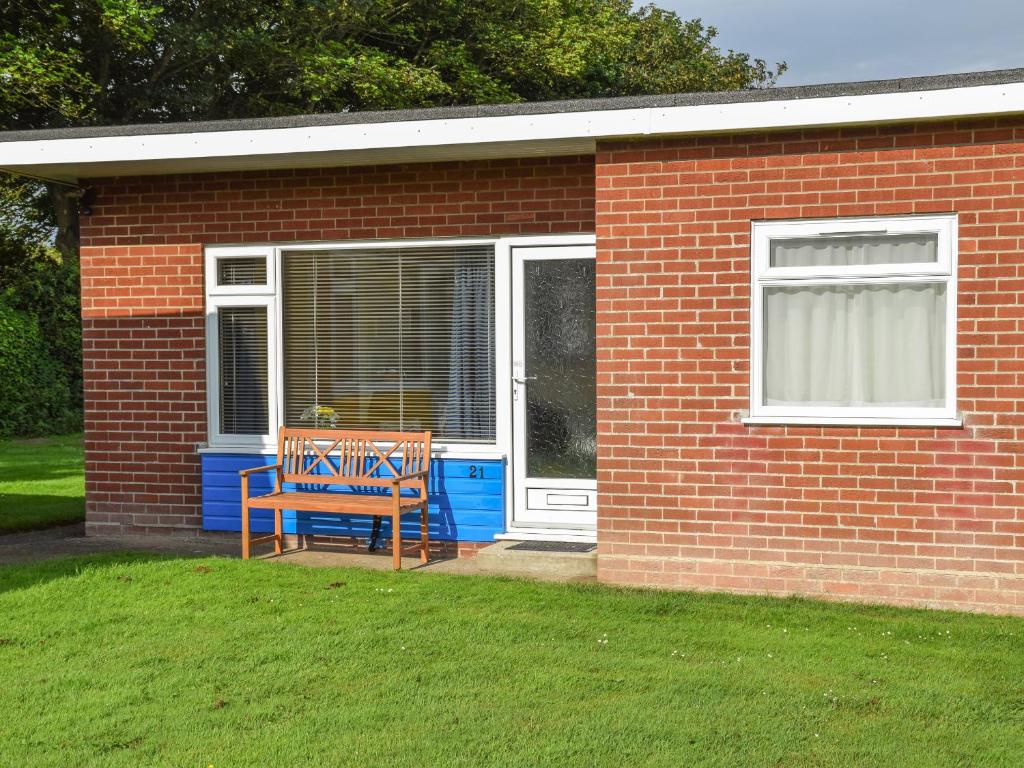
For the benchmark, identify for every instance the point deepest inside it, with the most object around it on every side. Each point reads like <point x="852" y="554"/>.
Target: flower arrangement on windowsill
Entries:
<point x="322" y="416"/>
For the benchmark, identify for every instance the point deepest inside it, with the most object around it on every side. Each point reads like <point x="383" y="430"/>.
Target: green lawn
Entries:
<point x="41" y="483"/>
<point x="141" y="661"/>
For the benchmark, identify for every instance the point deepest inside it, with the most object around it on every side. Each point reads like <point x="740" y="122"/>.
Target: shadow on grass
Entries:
<point x="31" y="473"/>
<point x="26" y="575"/>
<point x="20" y="512"/>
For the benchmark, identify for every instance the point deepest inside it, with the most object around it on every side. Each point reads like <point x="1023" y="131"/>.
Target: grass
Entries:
<point x="136" y="660"/>
<point x="42" y="483"/>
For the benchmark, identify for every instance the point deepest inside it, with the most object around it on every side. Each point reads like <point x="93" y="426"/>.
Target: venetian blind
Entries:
<point x="242" y="270"/>
<point x="242" y="343"/>
<point x="391" y="339"/>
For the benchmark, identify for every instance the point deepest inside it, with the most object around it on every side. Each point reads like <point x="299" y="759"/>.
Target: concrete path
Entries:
<point x="70" y="540"/>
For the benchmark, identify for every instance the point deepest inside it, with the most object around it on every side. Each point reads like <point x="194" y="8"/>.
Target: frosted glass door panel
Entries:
<point x="560" y="365"/>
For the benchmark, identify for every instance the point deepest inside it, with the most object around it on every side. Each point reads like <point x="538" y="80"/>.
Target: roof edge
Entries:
<point x="784" y="93"/>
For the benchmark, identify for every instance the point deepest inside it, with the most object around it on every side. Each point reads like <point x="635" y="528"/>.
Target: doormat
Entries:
<point x="555" y="546"/>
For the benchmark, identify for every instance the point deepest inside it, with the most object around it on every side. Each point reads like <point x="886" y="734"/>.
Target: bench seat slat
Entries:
<point x="344" y="503"/>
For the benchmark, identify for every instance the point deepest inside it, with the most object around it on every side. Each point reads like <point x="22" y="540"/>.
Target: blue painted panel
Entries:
<point x="462" y="507"/>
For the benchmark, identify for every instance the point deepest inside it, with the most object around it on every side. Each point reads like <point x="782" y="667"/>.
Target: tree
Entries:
<point x="26" y="222"/>
<point x="39" y="305"/>
<point x="109" y="62"/>
<point x="119" y="61"/>
<point x="96" y="62"/>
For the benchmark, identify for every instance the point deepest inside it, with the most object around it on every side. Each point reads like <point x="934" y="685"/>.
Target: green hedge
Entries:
<point x="35" y="390"/>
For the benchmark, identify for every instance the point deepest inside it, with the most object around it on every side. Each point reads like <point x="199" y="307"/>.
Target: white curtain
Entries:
<point x="855" y="250"/>
<point x="855" y="345"/>
<point x="469" y="409"/>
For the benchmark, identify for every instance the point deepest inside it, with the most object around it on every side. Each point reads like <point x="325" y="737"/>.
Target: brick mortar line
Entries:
<point x="783" y="564"/>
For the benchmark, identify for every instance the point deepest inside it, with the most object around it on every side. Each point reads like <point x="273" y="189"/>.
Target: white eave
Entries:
<point x="457" y="138"/>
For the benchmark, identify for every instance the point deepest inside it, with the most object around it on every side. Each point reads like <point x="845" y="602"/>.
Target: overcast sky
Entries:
<point x="827" y="41"/>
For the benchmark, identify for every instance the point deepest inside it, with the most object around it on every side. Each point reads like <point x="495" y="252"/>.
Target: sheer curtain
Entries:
<point x="852" y="345"/>
<point x="855" y="250"/>
<point x="855" y="344"/>
<point x="469" y="410"/>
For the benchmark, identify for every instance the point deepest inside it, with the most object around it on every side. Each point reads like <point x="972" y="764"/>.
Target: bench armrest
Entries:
<point x="247" y="472"/>
<point x="244" y="476"/>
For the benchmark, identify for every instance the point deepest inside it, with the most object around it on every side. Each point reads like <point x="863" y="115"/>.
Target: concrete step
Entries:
<point x="499" y="560"/>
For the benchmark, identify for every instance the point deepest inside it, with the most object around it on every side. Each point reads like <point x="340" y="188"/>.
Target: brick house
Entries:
<point x="763" y="342"/>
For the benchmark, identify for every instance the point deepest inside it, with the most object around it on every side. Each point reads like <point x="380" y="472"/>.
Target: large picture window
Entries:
<point x="391" y="338"/>
<point x="853" y="321"/>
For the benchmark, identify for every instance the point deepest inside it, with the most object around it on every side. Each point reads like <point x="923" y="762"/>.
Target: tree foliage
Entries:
<point x="68" y="62"/>
<point x="26" y="222"/>
<point x="99" y="62"/>
<point x="45" y="290"/>
<point x="105" y="62"/>
<point x="35" y="394"/>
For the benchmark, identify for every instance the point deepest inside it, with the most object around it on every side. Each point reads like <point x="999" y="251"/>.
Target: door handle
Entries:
<point x="520" y="381"/>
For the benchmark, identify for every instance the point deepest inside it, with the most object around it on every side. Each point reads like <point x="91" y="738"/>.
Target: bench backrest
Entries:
<point x="352" y="457"/>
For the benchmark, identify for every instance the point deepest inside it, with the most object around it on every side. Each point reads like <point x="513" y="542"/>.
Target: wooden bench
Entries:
<point x="374" y="466"/>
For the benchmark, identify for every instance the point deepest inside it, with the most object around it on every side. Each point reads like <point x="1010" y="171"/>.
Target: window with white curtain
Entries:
<point x="854" y="320"/>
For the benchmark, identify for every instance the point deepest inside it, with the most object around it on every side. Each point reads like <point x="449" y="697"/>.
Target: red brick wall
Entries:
<point x="689" y="497"/>
<point x="142" y="292"/>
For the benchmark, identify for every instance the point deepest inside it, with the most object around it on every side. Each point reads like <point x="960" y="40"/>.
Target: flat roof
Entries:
<point x="494" y="130"/>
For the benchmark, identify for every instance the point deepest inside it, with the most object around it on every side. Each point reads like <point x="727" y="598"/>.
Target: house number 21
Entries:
<point x="476" y="472"/>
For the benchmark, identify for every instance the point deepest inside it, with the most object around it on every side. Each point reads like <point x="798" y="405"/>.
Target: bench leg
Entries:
<point x="396" y="541"/>
<point x="245" y="529"/>
<point x="374" y="534"/>
<point x="278" y="534"/>
<point x="424" y="537"/>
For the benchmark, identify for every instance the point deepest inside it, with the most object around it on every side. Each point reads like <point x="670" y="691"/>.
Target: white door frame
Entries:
<point x="572" y="515"/>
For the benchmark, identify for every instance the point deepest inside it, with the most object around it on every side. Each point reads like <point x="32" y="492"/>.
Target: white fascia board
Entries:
<point x="432" y="139"/>
<point x="474" y="137"/>
<point x="974" y="101"/>
<point x="326" y="138"/>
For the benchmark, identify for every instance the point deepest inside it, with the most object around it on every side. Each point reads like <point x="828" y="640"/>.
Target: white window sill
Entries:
<point x="851" y="421"/>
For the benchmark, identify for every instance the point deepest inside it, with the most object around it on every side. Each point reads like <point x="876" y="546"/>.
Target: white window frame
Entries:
<point x="763" y="276"/>
<point x="218" y="295"/>
<point x="498" y="447"/>
<point x="213" y="257"/>
<point x="269" y="295"/>
<point x="213" y="305"/>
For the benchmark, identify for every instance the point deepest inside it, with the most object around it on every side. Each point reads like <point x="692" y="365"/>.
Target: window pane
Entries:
<point x="242" y="270"/>
<point x="243" y="370"/>
<point x="855" y="250"/>
<point x="391" y="339"/>
<point x="855" y="345"/>
<point x="561" y="358"/>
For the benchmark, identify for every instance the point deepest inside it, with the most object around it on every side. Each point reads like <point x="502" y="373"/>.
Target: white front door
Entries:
<point x="554" y="395"/>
